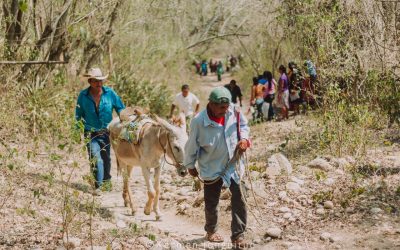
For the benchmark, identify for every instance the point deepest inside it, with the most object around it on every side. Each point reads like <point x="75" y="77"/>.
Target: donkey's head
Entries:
<point x="175" y="144"/>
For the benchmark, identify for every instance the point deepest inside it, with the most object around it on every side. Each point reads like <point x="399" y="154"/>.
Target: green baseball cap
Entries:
<point x="220" y="95"/>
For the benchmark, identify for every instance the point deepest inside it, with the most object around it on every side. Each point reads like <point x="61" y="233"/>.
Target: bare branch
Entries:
<point x="214" y="37"/>
<point x="33" y="62"/>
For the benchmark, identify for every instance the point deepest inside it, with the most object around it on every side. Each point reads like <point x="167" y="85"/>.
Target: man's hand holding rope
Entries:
<point x="242" y="146"/>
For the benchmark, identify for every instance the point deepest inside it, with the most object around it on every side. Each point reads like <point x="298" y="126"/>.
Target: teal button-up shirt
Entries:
<point x="213" y="146"/>
<point x="94" y="119"/>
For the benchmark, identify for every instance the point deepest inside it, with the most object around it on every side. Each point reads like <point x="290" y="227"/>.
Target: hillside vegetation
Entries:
<point x="147" y="48"/>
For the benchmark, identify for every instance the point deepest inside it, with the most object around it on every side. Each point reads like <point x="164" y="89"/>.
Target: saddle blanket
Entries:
<point x="131" y="129"/>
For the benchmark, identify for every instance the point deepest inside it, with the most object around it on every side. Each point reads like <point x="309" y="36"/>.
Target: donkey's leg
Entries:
<point x="127" y="193"/>
<point x="150" y="190"/>
<point x="156" y="207"/>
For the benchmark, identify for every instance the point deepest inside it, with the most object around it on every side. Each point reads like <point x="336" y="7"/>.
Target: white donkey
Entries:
<point x="159" y="142"/>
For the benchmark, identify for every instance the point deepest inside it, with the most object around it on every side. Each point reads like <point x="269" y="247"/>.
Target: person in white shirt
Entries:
<point x="185" y="101"/>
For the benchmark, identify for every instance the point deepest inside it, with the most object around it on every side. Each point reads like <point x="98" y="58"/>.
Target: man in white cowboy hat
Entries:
<point x="94" y="108"/>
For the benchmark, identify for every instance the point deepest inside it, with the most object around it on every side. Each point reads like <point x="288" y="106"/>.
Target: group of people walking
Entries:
<point x="216" y="66"/>
<point x="270" y="98"/>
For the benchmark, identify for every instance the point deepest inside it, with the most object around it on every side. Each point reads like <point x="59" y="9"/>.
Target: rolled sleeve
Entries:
<point x="244" y="128"/>
<point x="191" y="147"/>
<point x="78" y="109"/>
<point x="118" y="105"/>
<point x="176" y="101"/>
<point x="196" y="100"/>
<point x="240" y="92"/>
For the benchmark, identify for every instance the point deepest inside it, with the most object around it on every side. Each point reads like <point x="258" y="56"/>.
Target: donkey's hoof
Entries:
<point x="158" y="217"/>
<point x="133" y="212"/>
<point x="146" y="212"/>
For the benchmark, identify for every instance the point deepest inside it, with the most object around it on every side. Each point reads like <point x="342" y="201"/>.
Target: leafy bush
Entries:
<point x="154" y="96"/>
<point x="345" y="125"/>
<point x="388" y="95"/>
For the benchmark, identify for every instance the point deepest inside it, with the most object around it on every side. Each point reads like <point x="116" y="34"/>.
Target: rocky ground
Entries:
<point x="307" y="202"/>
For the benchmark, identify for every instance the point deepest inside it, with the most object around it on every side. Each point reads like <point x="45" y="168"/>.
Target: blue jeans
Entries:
<point x="99" y="156"/>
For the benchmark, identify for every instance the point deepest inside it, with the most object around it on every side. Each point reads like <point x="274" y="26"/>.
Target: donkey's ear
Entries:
<point x="126" y="113"/>
<point x="182" y="118"/>
<point x="171" y="128"/>
<point x="179" y="121"/>
<point x="174" y="120"/>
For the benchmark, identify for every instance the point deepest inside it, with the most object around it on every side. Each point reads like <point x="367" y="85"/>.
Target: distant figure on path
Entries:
<point x="294" y="88"/>
<point x="269" y="93"/>
<point x="197" y="66"/>
<point x="235" y="91"/>
<point x="283" y="92"/>
<point x="187" y="103"/>
<point x="228" y="63"/>
<point x="204" y="69"/>
<point x="94" y="108"/>
<point x="257" y="98"/>
<point x="213" y="66"/>
<point x="220" y="70"/>
<point x="233" y="61"/>
<point x="311" y="71"/>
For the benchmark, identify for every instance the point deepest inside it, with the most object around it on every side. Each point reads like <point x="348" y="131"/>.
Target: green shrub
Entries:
<point x="345" y="125"/>
<point x="154" y="96"/>
<point x="388" y="94"/>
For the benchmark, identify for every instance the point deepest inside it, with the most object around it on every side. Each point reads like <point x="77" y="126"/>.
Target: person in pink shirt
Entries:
<point x="283" y="92"/>
<point x="269" y="93"/>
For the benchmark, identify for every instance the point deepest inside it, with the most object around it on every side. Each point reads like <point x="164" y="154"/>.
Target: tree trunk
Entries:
<point x="59" y="36"/>
<point x="13" y="23"/>
<point x="55" y="33"/>
<point x="93" y="49"/>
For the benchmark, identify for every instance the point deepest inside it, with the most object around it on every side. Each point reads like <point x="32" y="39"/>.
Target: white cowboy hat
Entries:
<point x="95" y="73"/>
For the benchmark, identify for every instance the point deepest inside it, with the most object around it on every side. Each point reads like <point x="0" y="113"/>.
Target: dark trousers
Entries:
<point x="239" y="212"/>
<point x="269" y="99"/>
<point x="99" y="156"/>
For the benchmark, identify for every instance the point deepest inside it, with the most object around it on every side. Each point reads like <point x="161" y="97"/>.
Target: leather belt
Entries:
<point x="97" y="133"/>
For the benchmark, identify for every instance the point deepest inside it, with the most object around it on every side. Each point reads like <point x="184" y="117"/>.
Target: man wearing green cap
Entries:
<point x="218" y="135"/>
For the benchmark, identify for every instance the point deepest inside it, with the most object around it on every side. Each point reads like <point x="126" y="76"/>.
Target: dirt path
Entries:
<point x="203" y="85"/>
<point x="188" y="231"/>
